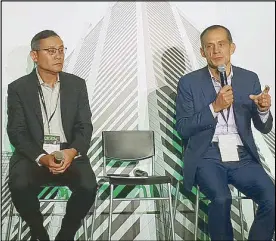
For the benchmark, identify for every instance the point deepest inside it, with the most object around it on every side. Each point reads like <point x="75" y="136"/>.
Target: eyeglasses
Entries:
<point x="53" y="51"/>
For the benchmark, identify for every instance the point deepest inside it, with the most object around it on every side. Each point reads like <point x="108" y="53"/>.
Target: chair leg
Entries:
<point x="205" y="237"/>
<point x="241" y="214"/>
<point x="10" y="215"/>
<point x="19" y="228"/>
<point x="110" y="212"/>
<point x="94" y="217"/>
<point x="84" y="223"/>
<point x="196" y="213"/>
<point x="171" y="211"/>
<point x="175" y="202"/>
<point x="176" y="198"/>
<point x="163" y="209"/>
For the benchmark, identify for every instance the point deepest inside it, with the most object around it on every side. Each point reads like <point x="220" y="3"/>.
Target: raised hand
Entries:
<point x="262" y="100"/>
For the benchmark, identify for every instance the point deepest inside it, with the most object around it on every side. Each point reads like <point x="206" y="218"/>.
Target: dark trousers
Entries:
<point x="25" y="179"/>
<point x="249" y="177"/>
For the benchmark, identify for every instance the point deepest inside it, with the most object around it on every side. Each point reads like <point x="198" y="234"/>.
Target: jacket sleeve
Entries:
<point x="188" y="121"/>
<point x="82" y="130"/>
<point x="263" y="127"/>
<point x="17" y="127"/>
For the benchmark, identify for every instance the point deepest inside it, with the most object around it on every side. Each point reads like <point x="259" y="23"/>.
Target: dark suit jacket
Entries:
<point x="25" y="123"/>
<point x="196" y="124"/>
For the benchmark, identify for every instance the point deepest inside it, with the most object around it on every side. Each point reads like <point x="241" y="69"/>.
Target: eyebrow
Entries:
<point x="51" y="46"/>
<point x="220" y="41"/>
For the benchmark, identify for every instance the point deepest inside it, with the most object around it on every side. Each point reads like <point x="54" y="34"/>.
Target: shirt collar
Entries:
<point x="229" y="77"/>
<point x="40" y="79"/>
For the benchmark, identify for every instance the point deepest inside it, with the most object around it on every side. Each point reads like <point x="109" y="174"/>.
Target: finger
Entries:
<point x="59" y="168"/>
<point x="265" y="104"/>
<point x="228" y="98"/>
<point x="254" y="97"/>
<point x="56" y="173"/>
<point x="56" y="165"/>
<point x="266" y="97"/>
<point x="62" y="170"/>
<point x="226" y="88"/>
<point x="229" y="102"/>
<point x="266" y="89"/>
<point x="228" y="93"/>
<point x="66" y="167"/>
<point x="226" y="107"/>
<point x="53" y="171"/>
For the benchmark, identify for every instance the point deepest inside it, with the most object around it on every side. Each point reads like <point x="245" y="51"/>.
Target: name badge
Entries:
<point x="51" y="143"/>
<point x="228" y="148"/>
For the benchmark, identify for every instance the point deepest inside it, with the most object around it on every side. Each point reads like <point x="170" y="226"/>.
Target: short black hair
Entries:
<point x="229" y="36"/>
<point x="35" y="43"/>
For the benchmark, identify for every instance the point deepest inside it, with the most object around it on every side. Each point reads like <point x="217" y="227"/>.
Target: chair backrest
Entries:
<point x="128" y="145"/>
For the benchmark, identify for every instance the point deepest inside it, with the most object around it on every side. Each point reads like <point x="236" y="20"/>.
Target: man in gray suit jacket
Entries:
<point x="216" y="122"/>
<point x="48" y="112"/>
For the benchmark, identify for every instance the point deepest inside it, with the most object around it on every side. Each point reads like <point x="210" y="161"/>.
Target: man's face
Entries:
<point x="50" y="56"/>
<point x="216" y="48"/>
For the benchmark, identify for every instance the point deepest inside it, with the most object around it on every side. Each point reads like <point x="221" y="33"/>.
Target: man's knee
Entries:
<point x="268" y="205"/>
<point x="88" y="188"/>
<point x="223" y="201"/>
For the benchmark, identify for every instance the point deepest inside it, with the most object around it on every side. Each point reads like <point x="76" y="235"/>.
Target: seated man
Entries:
<point x="215" y="117"/>
<point x="48" y="110"/>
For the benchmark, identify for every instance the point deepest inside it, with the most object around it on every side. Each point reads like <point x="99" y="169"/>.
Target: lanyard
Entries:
<point x="227" y="117"/>
<point x="44" y="107"/>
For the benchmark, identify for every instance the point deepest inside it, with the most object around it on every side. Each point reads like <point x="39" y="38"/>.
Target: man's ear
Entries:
<point x="202" y="52"/>
<point x="232" y="48"/>
<point x="34" y="56"/>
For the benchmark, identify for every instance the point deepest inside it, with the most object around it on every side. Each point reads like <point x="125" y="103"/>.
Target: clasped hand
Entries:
<point x="58" y="168"/>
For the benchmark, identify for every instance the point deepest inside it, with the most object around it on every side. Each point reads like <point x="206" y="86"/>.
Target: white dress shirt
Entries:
<point x="52" y="102"/>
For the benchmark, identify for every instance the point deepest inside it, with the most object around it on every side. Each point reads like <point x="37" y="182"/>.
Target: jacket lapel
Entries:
<point x="237" y="88"/>
<point x="64" y="100"/>
<point x="207" y="87"/>
<point x="32" y="90"/>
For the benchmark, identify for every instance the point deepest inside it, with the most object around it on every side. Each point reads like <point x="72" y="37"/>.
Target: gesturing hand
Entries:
<point x="262" y="100"/>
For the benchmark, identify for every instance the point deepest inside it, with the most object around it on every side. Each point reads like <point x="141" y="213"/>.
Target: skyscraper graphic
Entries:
<point x="270" y="141"/>
<point x="132" y="60"/>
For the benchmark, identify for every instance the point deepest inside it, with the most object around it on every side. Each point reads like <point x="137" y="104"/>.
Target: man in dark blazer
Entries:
<point x="216" y="122"/>
<point x="49" y="103"/>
